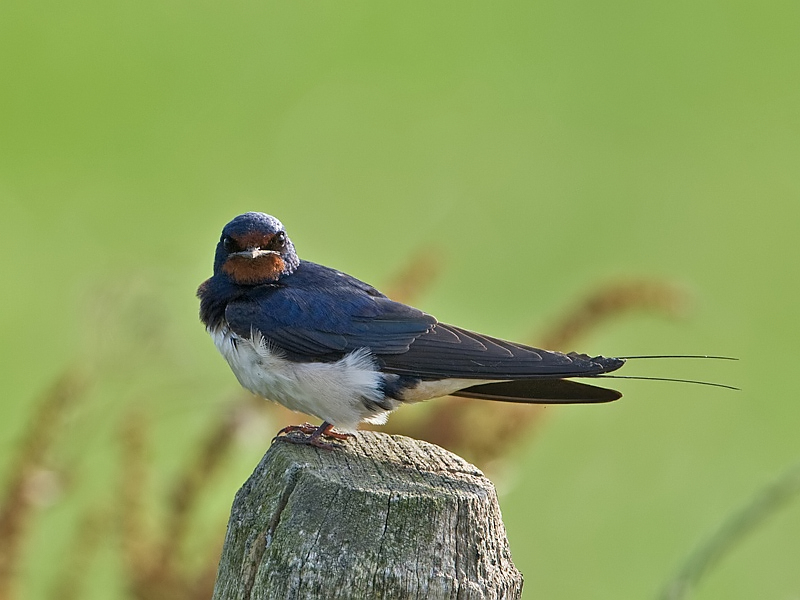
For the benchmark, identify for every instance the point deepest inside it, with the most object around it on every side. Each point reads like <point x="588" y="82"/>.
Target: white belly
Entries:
<point x="425" y="390"/>
<point x="334" y="392"/>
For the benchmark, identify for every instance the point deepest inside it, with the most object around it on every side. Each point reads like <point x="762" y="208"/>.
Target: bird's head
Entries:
<point x="254" y="249"/>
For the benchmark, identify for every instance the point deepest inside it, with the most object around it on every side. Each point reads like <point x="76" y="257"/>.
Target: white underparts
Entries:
<point x="342" y="393"/>
<point x="425" y="390"/>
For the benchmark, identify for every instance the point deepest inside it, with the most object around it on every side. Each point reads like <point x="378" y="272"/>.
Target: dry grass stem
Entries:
<point x="154" y="564"/>
<point x="485" y="431"/>
<point x="613" y="301"/>
<point x="766" y="503"/>
<point x="17" y="507"/>
<point x="419" y="273"/>
<point x="136" y="541"/>
<point x="198" y="475"/>
<point x="92" y="530"/>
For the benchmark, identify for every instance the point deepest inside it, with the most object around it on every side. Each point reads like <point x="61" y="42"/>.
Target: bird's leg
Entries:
<point x="315" y="435"/>
<point x="327" y="430"/>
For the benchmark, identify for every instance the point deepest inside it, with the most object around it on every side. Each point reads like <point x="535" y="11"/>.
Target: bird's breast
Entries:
<point x="343" y="392"/>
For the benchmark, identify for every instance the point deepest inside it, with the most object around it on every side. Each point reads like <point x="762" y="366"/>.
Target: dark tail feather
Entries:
<point x="540" y="391"/>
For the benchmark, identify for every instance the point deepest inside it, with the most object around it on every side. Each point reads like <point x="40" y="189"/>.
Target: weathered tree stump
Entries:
<point x="381" y="517"/>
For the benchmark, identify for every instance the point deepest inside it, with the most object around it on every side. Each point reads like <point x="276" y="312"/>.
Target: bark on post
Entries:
<point x="382" y="517"/>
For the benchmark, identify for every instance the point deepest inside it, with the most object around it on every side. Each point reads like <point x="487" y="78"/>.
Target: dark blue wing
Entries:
<point x="447" y="351"/>
<point x="321" y="314"/>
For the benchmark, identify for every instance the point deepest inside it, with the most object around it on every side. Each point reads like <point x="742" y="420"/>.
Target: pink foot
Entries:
<point x="312" y="436"/>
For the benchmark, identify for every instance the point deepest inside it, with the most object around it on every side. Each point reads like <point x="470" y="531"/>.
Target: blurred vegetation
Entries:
<point x="521" y="156"/>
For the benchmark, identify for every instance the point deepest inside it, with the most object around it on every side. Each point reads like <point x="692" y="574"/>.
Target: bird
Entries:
<point x="323" y="343"/>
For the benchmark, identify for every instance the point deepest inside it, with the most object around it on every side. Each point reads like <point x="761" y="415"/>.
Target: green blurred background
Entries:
<point x="542" y="148"/>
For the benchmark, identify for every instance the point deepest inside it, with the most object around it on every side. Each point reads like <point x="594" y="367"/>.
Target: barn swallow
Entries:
<point x="324" y="343"/>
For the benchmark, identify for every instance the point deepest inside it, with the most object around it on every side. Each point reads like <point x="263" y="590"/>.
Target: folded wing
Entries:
<point x="448" y="351"/>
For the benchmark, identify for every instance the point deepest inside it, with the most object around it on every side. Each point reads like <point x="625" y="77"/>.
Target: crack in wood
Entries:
<point x="264" y="538"/>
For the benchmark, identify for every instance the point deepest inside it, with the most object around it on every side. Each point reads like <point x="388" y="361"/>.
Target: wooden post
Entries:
<point x="381" y="517"/>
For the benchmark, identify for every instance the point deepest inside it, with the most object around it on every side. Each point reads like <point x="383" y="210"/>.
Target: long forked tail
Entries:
<point x="540" y="391"/>
<point x="565" y="391"/>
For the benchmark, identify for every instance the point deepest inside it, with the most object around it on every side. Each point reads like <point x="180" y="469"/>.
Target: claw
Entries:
<point x="306" y="428"/>
<point x="312" y="436"/>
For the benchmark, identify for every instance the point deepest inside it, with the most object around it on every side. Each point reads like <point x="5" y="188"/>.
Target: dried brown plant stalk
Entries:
<point x="154" y="564"/>
<point x="420" y="271"/>
<point x="198" y="475"/>
<point x="484" y="431"/>
<point x="17" y="507"/>
<point x="136" y="540"/>
<point x="92" y="530"/>
<point x="731" y="533"/>
<point x="612" y="301"/>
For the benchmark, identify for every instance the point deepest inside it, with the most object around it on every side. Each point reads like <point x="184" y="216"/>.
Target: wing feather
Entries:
<point x="448" y="351"/>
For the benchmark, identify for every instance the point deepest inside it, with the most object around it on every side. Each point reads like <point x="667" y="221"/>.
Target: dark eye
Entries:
<point x="278" y="241"/>
<point x="228" y="244"/>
